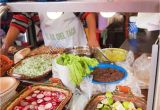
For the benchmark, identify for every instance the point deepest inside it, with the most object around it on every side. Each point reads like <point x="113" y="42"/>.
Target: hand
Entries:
<point x="3" y="51"/>
<point x="93" y="43"/>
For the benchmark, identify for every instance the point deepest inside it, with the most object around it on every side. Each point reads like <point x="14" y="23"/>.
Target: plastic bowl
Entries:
<point x="104" y="65"/>
<point x="113" y="54"/>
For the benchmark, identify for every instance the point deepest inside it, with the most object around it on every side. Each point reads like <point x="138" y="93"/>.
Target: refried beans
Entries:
<point x="106" y="75"/>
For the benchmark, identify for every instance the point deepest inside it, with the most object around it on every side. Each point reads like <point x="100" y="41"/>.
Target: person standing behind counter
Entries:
<point x="65" y="32"/>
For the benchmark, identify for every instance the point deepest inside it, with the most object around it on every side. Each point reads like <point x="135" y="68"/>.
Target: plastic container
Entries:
<point x="119" y="68"/>
<point x="113" y="54"/>
<point x="133" y="28"/>
<point x="62" y="72"/>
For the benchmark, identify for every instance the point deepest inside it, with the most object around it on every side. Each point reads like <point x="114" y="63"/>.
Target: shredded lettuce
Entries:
<point x="34" y="66"/>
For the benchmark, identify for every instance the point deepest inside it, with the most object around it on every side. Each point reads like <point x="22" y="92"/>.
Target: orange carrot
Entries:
<point x="123" y="89"/>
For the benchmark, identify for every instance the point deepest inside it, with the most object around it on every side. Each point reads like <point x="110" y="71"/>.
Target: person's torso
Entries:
<point x="65" y="32"/>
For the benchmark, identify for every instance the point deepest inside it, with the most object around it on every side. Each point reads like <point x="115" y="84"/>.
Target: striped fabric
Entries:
<point x="23" y="20"/>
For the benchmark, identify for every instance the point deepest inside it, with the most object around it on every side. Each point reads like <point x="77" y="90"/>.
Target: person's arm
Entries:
<point x="19" y="23"/>
<point x="12" y="34"/>
<point x="91" y="23"/>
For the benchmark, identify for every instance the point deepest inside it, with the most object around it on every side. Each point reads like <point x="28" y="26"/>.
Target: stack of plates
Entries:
<point x="8" y="87"/>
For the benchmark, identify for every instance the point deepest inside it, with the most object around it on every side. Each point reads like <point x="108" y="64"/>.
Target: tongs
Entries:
<point x="107" y="60"/>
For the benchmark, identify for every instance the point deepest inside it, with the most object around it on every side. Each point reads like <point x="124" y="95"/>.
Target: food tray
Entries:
<point x="121" y="94"/>
<point x="46" y="50"/>
<point x="94" y="101"/>
<point x="24" y="77"/>
<point x="104" y="65"/>
<point x="58" y="86"/>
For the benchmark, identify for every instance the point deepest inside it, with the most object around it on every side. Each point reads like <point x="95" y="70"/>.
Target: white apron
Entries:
<point x="65" y="32"/>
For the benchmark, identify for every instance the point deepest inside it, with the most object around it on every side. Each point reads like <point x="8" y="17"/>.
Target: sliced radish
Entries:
<point x="43" y="103"/>
<point x="48" y="106"/>
<point x="41" y="92"/>
<point x="62" y="97"/>
<point x="47" y="93"/>
<point x="31" y="99"/>
<point x="37" y="91"/>
<point x="54" y="103"/>
<point x="28" y="97"/>
<point x="34" y="95"/>
<point x="34" y="103"/>
<point x="54" y="97"/>
<point x="18" y="108"/>
<point x="26" y="107"/>
<point x="56" y="100"/>
<point x="53" y="107"/>
<point x="54" y="94"/>
<point x="58" y="93"/>
<point x="36" y="107"/>
<point x="39" y="101"/>
<point x="39" y="96"/>
<point x="41" y="107"/>
<point x="47" y="99"/>
<point x="31" y="107"/>
<point x="23" y="103"/>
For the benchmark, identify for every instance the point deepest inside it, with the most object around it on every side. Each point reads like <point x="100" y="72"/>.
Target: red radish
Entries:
<point x="34" y="103"/>
<point x="23" y="103"/>
<point x="48" y="106"/>
<point x="36" y="107"/>
<point x="47" y="99"/>
<point x="56" y="100"/>
<point x="34" y="95"/>
<point x="54" y="97"/>
<point x="39" y="101"/>
<point x="53" y="108"/>
<point x="54" y="94"/>
<point x="54" y="103"/>
<point x="26" y="107"/>
<point x="36" y="91"/>
<point x="41" y="107"/>
<point x="30" y="99"/>
<point x="39" y="96"/>
<point x="62" y="97"/>
<point x="18" y="108"/>
<point x="47" y="93"/>
<point x="31" y="107"/>
<point x="43" y="103"/>
<point x="58" y="93"/>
